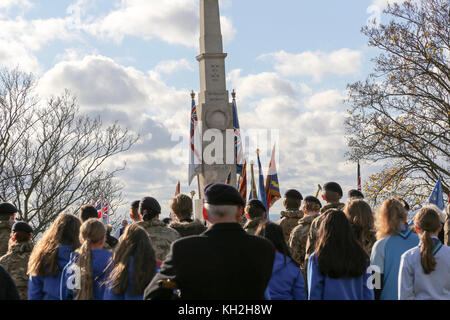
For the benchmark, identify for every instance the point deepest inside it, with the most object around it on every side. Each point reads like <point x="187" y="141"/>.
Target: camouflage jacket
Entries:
<point x="313" y="231"/>
<point x="161" y="236"/>
<point x="188" y="228"/>
<point x="251" y="225"/>
<point x="16" y="263"/>
<point x="447" y="227"/>
<point x="298" y="237"/>
<point x="5" y="234"/>
<point x="289" y="220"/>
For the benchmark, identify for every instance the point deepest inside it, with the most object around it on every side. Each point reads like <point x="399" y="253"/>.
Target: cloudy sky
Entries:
<point x="134" y="61"/>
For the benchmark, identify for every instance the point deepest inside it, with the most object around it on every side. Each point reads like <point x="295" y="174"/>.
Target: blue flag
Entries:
<point x="436" y="196"/>
<point x="261" y="188"/>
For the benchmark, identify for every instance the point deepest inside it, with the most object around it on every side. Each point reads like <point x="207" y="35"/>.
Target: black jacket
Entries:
<point x="8" y="289"/>
<point x="223" y="263"/>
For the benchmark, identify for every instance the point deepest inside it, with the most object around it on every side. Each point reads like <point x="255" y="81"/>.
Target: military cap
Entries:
<point x="150" y="204"/>
<point x="22" y="226"/>
<point x="7" y="208"/>
<point x="313" y="199"/>
<point x="333" y="186"/>
<point x="293" y="194"/>
<point x="256" y="203"/>
<point x="222" y="194"/>
<point x="355" y="194"/>
<point x="135" y="204"/>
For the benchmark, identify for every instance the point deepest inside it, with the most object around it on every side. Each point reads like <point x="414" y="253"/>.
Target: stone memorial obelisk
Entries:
<point x="214" y="109"/>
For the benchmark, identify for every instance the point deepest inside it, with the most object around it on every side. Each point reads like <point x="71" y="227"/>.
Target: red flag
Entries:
<point x="242" y="187"/>
<point x="359" y="177"/>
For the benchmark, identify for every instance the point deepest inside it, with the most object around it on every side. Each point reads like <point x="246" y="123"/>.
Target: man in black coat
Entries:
<point x="8" y="289"/>
<point x="222" y="263"/>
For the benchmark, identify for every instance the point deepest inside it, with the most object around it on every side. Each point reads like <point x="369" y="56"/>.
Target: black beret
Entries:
<point x="355" y="194"/>
<point x="313" y="199"/>
<point x="333" y="186"/>
<point x="150" y="204"/>
<point x="256" y="203"/>
<point x="135" y="204"/>
<point x="293" y="194"/>
<point x="22" y="226"/>
<point x="7" y="208"/>
<point x="222" y="194"/>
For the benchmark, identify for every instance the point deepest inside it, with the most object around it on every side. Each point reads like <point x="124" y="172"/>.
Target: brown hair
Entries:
<point x="428" y="222"/>
<point x="331" y="196"/>
<point x="389" y="217"/>
<point x="44" y="257"/>
<point x="181" y="206"/>
<point x="311" y="206"/>
<point x="87" y="212"/>
<point x="360" y="216"/>
<point x="91" y="231"/>
<point x="134" y="243"/>
<point x="291" y="203"/>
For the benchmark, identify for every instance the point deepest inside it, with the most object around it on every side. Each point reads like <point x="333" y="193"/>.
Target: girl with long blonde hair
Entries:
<point x="394" y="238"/>
<point x="84" y="275"/>
<point x="133" y="265"/>
<point x="49" y="256"/>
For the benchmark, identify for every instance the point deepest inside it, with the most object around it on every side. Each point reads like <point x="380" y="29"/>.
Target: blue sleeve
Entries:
<point x="299" y="290"/>
<point x="377" y="254"/>
<point x="35" y="288"/>
<point x="109" y="295"/>
<point x="315" y="279"/>
<point x="70" y="280"/>
<point x="405" y="280"/>
<point x="368" y="293"/>
<point x="267" y="294"/>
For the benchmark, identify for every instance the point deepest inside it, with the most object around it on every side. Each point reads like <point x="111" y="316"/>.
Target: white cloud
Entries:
<point x="377" y="6"/>
<point x="23" y="4"/>
<point x="317" y="64"/>
<point x="329" y="99"/>
<point x="171" y="66"/>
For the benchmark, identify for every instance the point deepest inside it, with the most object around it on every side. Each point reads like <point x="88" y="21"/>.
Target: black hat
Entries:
<point x="151" y="205"/>
<point x="7" y="209"/>
<point x="22" y="226"/>
<point x="135" y="204"/>
<point x="355" y="194"/>
<point x="313" y="199"/>
<point x="222" y="194"/>
<point x="256" y="203"/>
<point x="293" y="194"/>
<point x="333" y="186"/>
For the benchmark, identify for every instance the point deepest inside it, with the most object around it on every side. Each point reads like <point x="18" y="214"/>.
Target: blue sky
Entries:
<point x="134" y="61"/>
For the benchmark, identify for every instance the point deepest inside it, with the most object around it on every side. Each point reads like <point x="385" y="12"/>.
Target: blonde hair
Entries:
<point x="181" y="206"/>
<point x="427" y="220"/>
<point x="389" y="217"/>
<point x="44" y="257"/>
<point x="91" y="231"/>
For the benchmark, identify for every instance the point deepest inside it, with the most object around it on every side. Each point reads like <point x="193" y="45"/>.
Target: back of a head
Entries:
<point x="22" y="231"/>
<point x="7" y="210"/>
<point x="359" y="213"/>
<point x="390" y="217"/>
<point x="222" y="201"/>
<point x="181" y="206"/>
<point x="337" y="246"/>
<point x="274" y="233"/>
<point x="355" y="194"/>
<point x="255" y="209"/>
<point x="292" y="199"/>
<point x="149" y="208"/>
<point x="312" y="204"/>
<point x="332" y="192"/>
<point x="87" y="212"/>
<point x="428" y="221"/>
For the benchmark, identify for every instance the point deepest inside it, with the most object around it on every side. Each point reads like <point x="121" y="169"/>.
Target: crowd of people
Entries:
<point x="317" y="251"/>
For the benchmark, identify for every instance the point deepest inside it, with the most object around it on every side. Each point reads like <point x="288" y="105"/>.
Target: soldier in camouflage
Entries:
<point x="160" y="235"/>
<point x="7" y="215"/>
<point x="16" y="260"/>
<point x="255" y="213"/>
<point x="289" y="218"/>
<point x="447" y="227"/>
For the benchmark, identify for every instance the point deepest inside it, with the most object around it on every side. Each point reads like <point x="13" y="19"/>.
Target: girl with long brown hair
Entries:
<point x="83" y="277"/>
<point x="360" y="216"/>
<point x="133" y="266"/>
<point x="49" y="256"/>
<point x="425" y="269"/>
<point x="394" y="238"/>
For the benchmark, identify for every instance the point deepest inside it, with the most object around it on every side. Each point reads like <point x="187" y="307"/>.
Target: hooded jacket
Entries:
<point x="69" y="284"/>
<point x="287" y="281"/>
<point x="47" y="288"/>
<point x="161" y="236"/>
<point x="289" y="220"/>
<point x="188" y="227"/>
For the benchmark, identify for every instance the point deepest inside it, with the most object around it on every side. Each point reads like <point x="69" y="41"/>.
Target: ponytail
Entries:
<point x="426" y="251"/>
<point x="428" y="222"/>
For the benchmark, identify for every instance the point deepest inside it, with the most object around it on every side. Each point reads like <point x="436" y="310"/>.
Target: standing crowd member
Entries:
<point x="121" y="230"/>
<point x="160" y="235"/>
<point x="15" y="261"/>
<point x="223" y="263"/>
<point x="50" y="255"/>
<point x="87" y="212"/>
<point x="83" y="277"/>
<point x="290" y="217"/>
<point x="360" y="216"/>
<point x="447" y="227"/>
<point x="134" y="212"/>
<point x="133" y="266"/>
<point x="110" y="240"/>
<point x="255" y="212"/>
<point x="425" y="270"/>
<point x="299" y="235"/>
<point x="7" y="215"/>
<point x="355" y="194"/>
<point x="286" y="282"/>
<point x="337" y="270"/>
<point x="8" y="289"/>
<point x="181" y="206"/>
<point x="394" y="238"/>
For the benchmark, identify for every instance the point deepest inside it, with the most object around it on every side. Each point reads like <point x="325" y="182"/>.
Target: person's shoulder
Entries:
<point x="259" y="241"/>
<point x="410" y="253"/>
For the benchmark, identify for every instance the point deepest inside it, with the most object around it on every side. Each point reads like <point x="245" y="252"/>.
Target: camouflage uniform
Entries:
<point x="314" y="230"/>
<point x="161" y="236"/>
<point x="5" y="234"/>
<point x="251" y="225"/>
<point x="447" y="228"/>
<point x="289" y="220"/>
<point x="188" y="227"/>
<point x="298" y="237"/>
<point x="16" y="263"/>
